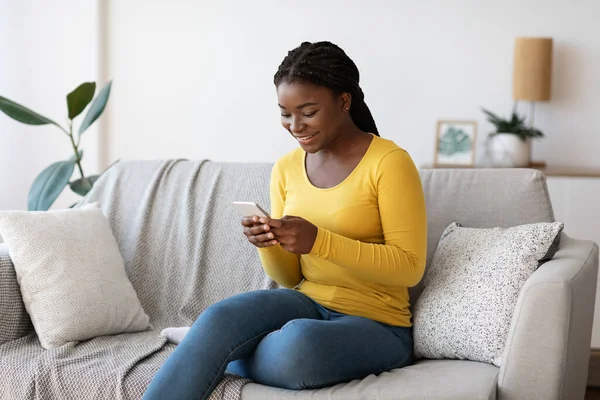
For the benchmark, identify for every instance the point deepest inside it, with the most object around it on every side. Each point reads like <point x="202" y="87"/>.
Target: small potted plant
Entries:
<point x="510" y="144"/>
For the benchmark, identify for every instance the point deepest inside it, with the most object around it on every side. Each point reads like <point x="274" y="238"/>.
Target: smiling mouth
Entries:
<point x="305" y="138"/>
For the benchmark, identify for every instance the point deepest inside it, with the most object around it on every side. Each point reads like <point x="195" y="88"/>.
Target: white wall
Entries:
<point x="46" y="50"/>
<point x="194" y="78"/>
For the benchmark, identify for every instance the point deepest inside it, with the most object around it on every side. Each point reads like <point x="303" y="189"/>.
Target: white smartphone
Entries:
<point x="249" y="208"/>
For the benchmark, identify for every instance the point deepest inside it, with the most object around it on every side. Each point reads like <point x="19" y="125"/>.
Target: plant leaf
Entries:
<point x="490" y="114"/>
<point x="517" y="120"/>
<point x="49" y="184"/>
<point x="74" y="157"/>
<point x="534" y="133"/>
<point x="97" y="108"/>
<point x="492" y="118"/>
<point x="23" y="114"/>
<point x="79" y="98"/>
<point x="83" y="186"/>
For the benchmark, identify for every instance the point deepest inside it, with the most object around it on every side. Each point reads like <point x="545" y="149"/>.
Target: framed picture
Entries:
<point x="455" y="143"/>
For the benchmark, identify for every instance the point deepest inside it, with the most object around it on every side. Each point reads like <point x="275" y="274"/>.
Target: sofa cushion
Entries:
<point x="71" y="274"/>
<point x="472" y="287"/>
<point x="427" y="379"/>
<point x="14" y="320"/>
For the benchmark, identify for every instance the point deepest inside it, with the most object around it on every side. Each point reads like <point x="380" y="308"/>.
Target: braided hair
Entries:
<point x="326" y="64"/>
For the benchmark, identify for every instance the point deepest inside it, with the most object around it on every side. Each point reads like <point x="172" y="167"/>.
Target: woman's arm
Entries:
<point x="400" y="261"/>
<point x="283" y="267"/>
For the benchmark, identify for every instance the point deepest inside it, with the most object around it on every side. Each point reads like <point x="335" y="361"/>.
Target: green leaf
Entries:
<point x="49" y="184"/>
<point x="83" y="186"/>
<point x="536" y="133"/>
<point x="517" y="121"/>
<point x="79" y="98"/>
<point x="532" y="132"/>
<point x="74" y="157"/>
<point x="23" y="114"/>
<point x="493" y="119"/>
<point x="491" y="116"/>
<point x="97" y="108"/>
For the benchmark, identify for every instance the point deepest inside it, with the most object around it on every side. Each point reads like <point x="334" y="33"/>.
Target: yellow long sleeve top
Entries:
<point x="372" y="234"/>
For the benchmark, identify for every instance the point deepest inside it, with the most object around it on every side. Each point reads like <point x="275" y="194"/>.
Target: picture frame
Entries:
<point x="455" y="143"/>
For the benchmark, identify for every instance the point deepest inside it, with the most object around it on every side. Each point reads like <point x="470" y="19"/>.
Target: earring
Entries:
<point x="347" y="108"/>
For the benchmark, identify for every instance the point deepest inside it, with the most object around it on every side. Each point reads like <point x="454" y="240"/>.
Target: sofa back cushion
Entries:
<point x="14" y="320"/>
<point x="179" y="235"/>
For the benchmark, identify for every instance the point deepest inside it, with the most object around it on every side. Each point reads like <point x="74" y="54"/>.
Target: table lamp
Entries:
<point x="532" y="71"/>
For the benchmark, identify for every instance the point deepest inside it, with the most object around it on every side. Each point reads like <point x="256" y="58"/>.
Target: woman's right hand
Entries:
<point x="258" y="234"/>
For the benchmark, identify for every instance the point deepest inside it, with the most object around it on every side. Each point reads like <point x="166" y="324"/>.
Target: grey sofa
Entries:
<point x="183" y="249"/>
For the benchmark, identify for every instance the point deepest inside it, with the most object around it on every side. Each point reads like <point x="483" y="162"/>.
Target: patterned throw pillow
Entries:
<point x="472" y="286"/>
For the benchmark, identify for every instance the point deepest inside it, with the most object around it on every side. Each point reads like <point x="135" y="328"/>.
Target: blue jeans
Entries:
<point x="278" y="338"/>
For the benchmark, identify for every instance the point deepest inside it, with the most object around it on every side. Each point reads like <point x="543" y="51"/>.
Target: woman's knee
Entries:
<point x="293" y="357"/>
<point x="302" y="337"/>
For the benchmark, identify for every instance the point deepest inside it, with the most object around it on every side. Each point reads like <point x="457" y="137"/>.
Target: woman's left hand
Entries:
<point x="296" y="235"/>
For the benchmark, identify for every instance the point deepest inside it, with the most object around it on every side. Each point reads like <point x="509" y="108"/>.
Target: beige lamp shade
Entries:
<point x="532" y="72"/>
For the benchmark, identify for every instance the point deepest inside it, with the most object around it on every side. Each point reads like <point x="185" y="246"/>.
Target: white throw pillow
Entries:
<point x="71" y="274"/>
<point x="472" y="286"/>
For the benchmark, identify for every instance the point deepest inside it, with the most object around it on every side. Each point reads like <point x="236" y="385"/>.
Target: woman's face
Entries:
<point x="313" y="114"/>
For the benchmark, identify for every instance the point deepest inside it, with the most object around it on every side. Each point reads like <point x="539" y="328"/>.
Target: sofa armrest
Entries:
<point x="548" y="347"/>
<point x="14" y="319"/>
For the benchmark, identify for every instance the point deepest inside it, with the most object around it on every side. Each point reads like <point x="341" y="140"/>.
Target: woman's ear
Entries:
<point x="346" y="101"/>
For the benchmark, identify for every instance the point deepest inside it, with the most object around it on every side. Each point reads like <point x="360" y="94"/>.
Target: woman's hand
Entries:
<point x="296" y="235"/>
<point x="258" y="233"/>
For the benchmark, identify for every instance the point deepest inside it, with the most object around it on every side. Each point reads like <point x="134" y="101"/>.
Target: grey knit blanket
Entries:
<point x="183" y="249"/>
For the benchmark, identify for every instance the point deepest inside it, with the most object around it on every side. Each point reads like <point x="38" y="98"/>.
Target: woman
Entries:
<point x="347" y="237"/>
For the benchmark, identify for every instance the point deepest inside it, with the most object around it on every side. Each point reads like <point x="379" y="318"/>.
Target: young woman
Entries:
<point x="347" y="238"/>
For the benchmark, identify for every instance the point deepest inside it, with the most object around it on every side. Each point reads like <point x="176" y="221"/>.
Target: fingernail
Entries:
<point x="262" y="221"/>
<point x="254" y="219"/>
<point x="270" y="236"/>
<point x="266" y="227"/>
<point x="274" y="242"/>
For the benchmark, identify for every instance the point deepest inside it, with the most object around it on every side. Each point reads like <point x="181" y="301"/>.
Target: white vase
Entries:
<point x="508" y="150"/>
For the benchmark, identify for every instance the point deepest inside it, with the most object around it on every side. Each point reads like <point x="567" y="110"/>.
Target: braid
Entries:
<point x="325" y="64"/>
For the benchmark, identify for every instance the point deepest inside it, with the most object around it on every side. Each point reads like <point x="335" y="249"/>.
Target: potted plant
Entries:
<point x="51" y="181"/>
<point x="510" y="144"/>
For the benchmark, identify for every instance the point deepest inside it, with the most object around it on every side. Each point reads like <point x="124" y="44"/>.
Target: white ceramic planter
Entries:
<point x="508" y="150"/>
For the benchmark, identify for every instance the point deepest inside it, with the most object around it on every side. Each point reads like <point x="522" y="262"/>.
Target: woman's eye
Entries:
<point x="304" y="115"/>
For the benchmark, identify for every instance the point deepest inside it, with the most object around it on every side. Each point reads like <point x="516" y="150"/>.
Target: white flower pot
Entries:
<point x="508" y="150"/>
